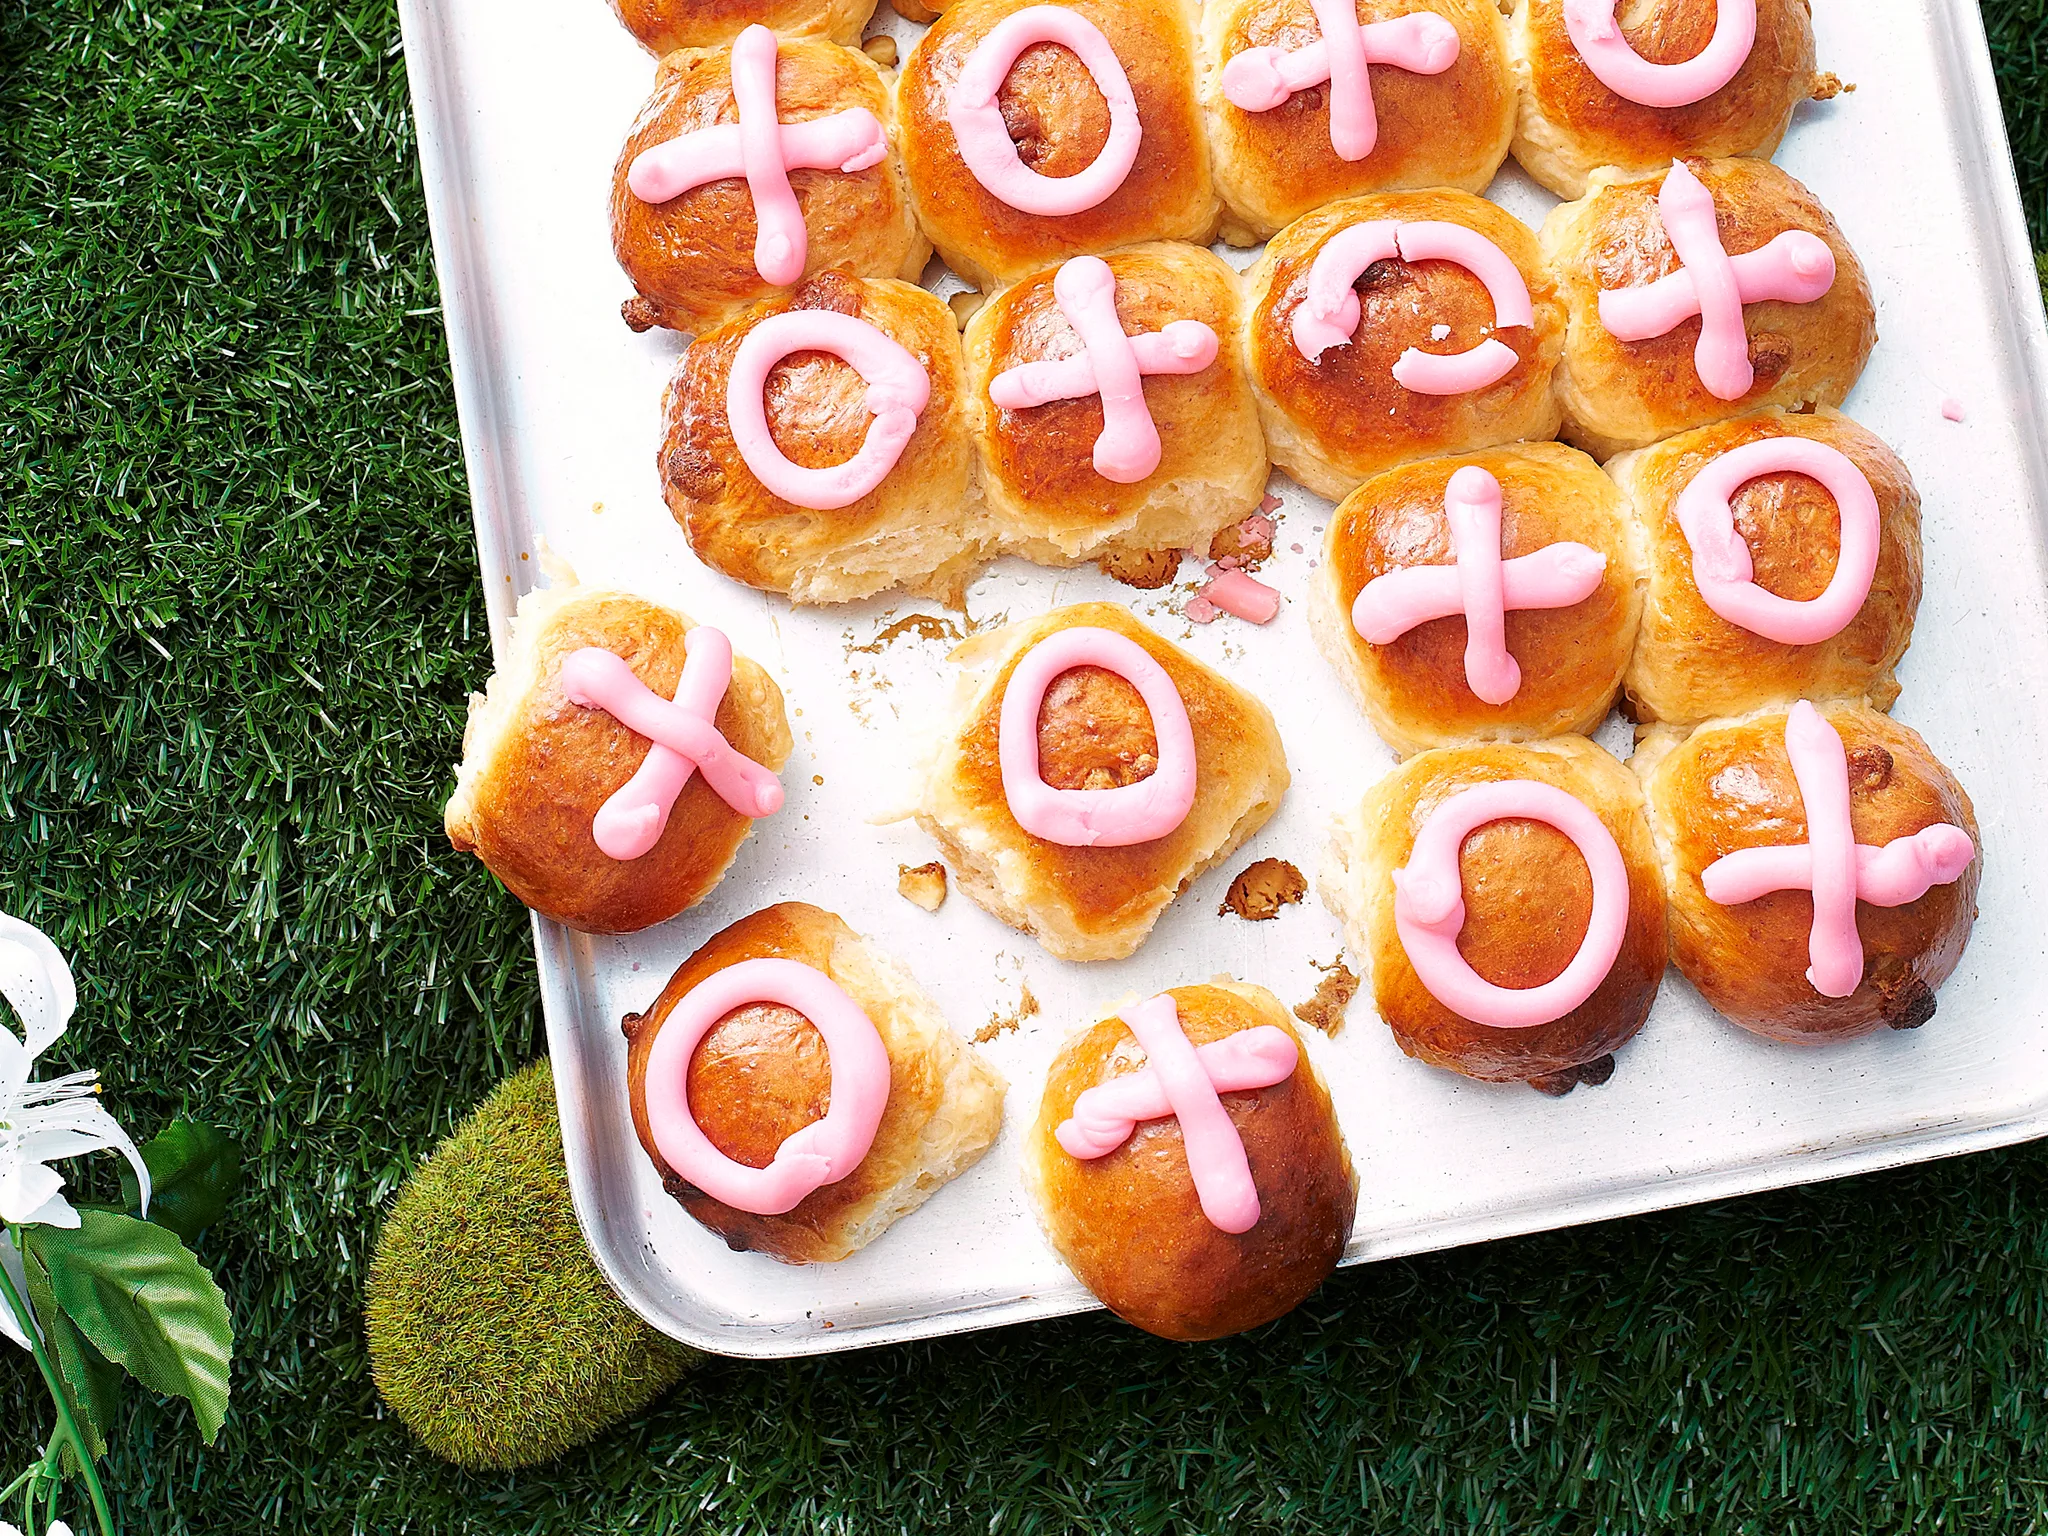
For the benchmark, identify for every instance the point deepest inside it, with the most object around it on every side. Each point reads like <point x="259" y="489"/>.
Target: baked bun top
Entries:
<point x="1059" y="121"/>
<point x="1348" y="399"/>
<point x="1416" y="686"/>
<point x="1573" y="122"/>
<point x="1623" y="394"/>
<point x="1130" y="1223"/>
<point x="817" y="412"/>
<point x="662" y="26"/>
<point x="692" y="258"/>
<point x="1693" y="664"/>
<point x="1449" y="129"/>
<point x="536" y="768"/>
<point x="1730" y="786"/>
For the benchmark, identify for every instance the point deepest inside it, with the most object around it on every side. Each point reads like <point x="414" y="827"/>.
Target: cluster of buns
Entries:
<point x="1487" y="592"/>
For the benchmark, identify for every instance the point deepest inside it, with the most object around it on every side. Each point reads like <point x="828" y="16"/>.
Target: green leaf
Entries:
<point x="194" y="1170"/>
<point x="135" y="1291"/>
<point x="92" y="1380"/>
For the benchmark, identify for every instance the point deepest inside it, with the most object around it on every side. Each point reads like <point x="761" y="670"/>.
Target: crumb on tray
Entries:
<point x="922" y="885"/>
<point x="1333" y="995"/>
<point x="1262" y="889"/>
<point x="1004" y="1023"/>
<point x="1145" y="569"/>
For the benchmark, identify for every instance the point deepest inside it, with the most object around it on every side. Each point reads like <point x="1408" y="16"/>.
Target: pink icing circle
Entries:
<point x="984" y="140"/>
<point x="898" y="390"/>
<point x="1429" y="904"/>
<point x="823" y="1152"/>
<point x="1095" y="818"/>
<point x="1598" y="37"/>
<point x="1721" y="564"/>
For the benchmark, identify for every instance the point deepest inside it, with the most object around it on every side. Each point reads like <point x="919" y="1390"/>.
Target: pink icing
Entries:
<point x="1184" y="1082"/>
<point x="1480" y="585"/>
<point x="1260" y="79"/>
<point x="686" y="741"/>
<point x="1199" y="610"/>
<point x="1109" y="364"/>
<point x="764" y="150"/>
<point x="984" y="140"/>
<point x="1245" y="597"/>
<point x="1095" y="818"/>
<point x="823" y="1152"/>
<point x="1831" y="864"/>
<point x="1721" y="563"/>
<point x="1599" y="40"/>
<point x="898" y="390"/>
<point x="1329" y="314"/>
<point x="1429" y="904"/>
<point x="1952" y="408"/>
<point x="1795" y="268"/>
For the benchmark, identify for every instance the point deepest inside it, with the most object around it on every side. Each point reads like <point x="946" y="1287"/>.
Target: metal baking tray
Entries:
<point x="522" y="107"/>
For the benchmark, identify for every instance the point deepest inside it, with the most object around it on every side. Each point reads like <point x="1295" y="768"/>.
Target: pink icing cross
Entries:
<point x="1260" y="79"/>
<point x="685" y="741"/>
<point x="1184" y="1082"/>
<point x="1795" y="268"/>
<point x="1837" y="869"/>
<point x="1598" y="37"/>
<point x="765" y="150"/>
<point x="1109" y="364"/>
<point x="1481" y="586"/>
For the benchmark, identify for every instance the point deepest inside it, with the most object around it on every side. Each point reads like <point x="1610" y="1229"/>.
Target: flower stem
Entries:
<point x="67" y="1426"/>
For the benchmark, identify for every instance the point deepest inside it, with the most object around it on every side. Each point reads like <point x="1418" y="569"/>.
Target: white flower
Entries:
<point x="42" y="1123"/>
<point x="55" y="1528"/>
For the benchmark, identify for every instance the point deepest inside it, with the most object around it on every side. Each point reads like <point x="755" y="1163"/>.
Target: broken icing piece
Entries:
<point x="764" y="150"/>
<point x="1479" y="585"/>
<point x="1952" y="408"/>
<point x="1329" y="314"/>
<point x="1795" y="268"/>
<point x="1837" y="869"/>
<point x="1260" y="79"/>
<point x="685" y="741"/>
<point x="1429" y="904"/>
<point x="1184" y="1082"/>
<point x="1244" y="597"/>
<point x="1597" y="35"/>
<point x="984" y="140"/>
<point x="1109" y="364"/>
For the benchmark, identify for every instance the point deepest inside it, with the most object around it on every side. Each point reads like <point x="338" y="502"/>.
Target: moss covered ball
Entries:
<point x="492" y="1335"/>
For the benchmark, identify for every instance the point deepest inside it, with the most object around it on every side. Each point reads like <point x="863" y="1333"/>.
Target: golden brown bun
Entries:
<point x="1335" y="423"/>
<point x="662" y="26"/>
<point x="763" y="1073"/>
<point x="1094" y="733"/>
<point x="1130" y="1225"/>
<point x="1570" y="123"/>
<point x="1528" y="898"/>
<point x="535" y="768"/>
<point x="1729" y="785"/>
<point x="691" y="259"/>
<point x="1447" y="130"/>
<point x="922" y="528"/>
<point x="1059" y="121"/>
<point x="1049" y="503"/>
<point x="1413" y="689"/>
<point x="1626" y="394"/>
<point x="1690" y="663"/>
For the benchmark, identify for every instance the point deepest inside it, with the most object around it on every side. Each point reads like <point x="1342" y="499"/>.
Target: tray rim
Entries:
<point x="500" y="520"/>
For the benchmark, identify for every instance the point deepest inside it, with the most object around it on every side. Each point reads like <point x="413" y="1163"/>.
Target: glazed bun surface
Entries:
<point x="1445" y="130"/>
<point x="1729" y="785"/>
<point x="1628" y="394"/>
<point x="1528" y="899"/>
<point x="535" y="768"/>
<point x="1334" y="423"/>
<point x="1414" y="688"/>
<point x="1130" y="1224"/>
<point x="763" y="1073"/>
<point x="921" y="529"/>
<point x="1048" y="500"/>
<point x="1570" y="123"/>
<point x="1094" y="732"/>
<point x="663" y="26"/>
<point x="1059" y="121"/>
<point x="691" y="259"/>
<point x="1690" y="664"/>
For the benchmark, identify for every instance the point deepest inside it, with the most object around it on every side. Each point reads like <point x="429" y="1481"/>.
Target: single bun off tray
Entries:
<point x="522" y="108"/>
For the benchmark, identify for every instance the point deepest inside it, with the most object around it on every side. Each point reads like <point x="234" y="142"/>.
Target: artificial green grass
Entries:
<point x="238" y="617"/>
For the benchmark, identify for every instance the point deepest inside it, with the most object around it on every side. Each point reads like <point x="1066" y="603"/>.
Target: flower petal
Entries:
<point x="25" y="1189"/>
<point x="53" y="1212"/>
<point x="36" y="979"/>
